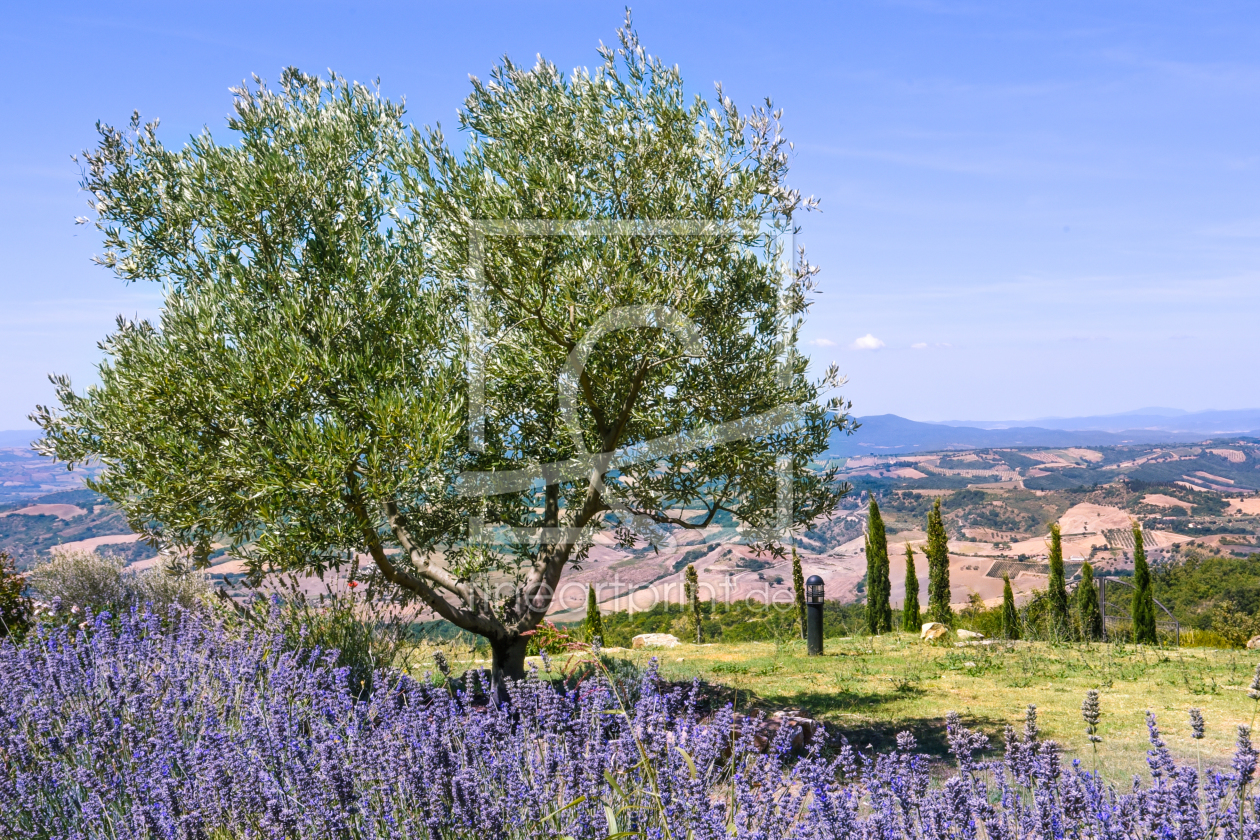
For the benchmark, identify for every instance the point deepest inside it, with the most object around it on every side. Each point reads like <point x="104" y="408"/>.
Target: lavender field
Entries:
<point x="135" y="727"/>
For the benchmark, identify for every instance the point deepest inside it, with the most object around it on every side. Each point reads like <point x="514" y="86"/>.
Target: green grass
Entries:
<point x="869" y="689"/>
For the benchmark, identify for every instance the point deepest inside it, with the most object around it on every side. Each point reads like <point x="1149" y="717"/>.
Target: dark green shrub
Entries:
<point x="15" y="607"/>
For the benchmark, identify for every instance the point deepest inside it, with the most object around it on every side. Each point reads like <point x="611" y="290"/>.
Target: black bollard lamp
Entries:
<point x="814" y="616"/>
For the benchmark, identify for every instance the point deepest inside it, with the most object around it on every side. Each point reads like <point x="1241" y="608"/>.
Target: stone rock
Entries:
<point x="933" y="630"/>
<point x="1253" y="643"/>
<point x="764" y="730"/>
<point x="655" y="640"/>
<point x="970" y="634"/>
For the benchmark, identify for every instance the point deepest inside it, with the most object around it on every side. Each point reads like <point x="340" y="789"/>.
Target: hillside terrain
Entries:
<point x="998" y="506"/>
<point x="30" y="529"/>
<point x="25" y="475"/>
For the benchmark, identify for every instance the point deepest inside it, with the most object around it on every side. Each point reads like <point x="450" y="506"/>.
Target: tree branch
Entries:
<point x="463" y="618"/>
<point x="665" y="519"/>
<point x="439" y="576"/>
<point x="614" y="434"/>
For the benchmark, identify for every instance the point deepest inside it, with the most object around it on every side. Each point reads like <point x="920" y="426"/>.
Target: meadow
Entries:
<point x="868" y="689"/>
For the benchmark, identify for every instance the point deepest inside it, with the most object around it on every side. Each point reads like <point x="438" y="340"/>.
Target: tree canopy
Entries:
<point x="464" y="365"/>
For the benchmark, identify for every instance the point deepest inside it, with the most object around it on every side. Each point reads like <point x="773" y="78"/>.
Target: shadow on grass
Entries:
<point x="864" y="732"/>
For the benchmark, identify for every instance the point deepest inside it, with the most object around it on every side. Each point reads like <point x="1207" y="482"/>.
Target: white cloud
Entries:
<point x="867" y="342"/>
<point x="922" y="345"/>
<point x="823" y="342"/>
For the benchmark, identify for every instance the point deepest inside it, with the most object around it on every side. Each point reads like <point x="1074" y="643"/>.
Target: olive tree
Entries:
<point x="305" y="367"/>
<point x="466" y="366"/>
<point x="624" y="251"/>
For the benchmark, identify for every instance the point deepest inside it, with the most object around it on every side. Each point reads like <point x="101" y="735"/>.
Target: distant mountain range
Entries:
<point x="889" y="434"/>
<point x="885" y="434"/>
<point x="1240" y="421"/>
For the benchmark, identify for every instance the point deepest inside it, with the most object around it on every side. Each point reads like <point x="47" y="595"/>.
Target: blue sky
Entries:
<point x="1028" y="209"/>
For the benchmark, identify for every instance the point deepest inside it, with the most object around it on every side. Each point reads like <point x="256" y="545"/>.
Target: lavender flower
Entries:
<point x="1091" y="711"/>
<point x="148" y="727"/>
<point x="444" y="667"/>
<point x="1196" y="724"/>
<point x="1157" y="757"/>
<point x="1030" y="723"/>
<point x="1244" y="762"/>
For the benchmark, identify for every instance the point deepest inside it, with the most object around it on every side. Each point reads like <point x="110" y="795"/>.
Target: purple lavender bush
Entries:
<point x="137" y="728"/>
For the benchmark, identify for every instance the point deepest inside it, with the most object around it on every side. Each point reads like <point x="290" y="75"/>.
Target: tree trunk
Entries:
<point x="507" y="663"/>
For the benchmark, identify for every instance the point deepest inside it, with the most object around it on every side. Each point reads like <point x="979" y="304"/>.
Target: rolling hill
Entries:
<point x="887" y="434"/>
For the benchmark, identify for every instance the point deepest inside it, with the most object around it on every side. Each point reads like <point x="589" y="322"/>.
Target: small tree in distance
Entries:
<point x="939" y="608"/>
<point x="1060" y="620"/>
<point x="798" y="589"/>
<point x="878" y="583"/>
<point x="910" y="617"/>
<point x="1087" y="605"/>
<point x="594" y="620"/>
<point x="1144" y="595"/>
<point x="1010" y="616"/>
<point x="691" y="590"/>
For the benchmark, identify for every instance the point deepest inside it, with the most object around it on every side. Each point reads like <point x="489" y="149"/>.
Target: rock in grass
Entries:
<point x="764" y="730"/>
<point x="655" y="640"/>
<point x="970" y="634"/>
<point x="933" y="630"/>
<point x="1253" y="643"/>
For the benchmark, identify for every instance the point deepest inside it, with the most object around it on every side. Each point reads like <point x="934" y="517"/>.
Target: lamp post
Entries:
<point x="814" y="616"/>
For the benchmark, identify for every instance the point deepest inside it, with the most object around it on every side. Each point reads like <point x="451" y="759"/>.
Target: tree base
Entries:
<point x="507" y="663"/>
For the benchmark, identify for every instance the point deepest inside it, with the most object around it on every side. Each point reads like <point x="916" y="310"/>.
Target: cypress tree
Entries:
<point x="1087" y="605"/>
<point x="910" y="618"/>
<point x="878" y="577"/>
<point x="938" y="567"/>
<point x="692" y="587"/>
<point x="1060" y="621"/>
<point x="1010" y="618"/>
<point x="798" y="584"/>
<point x="1144" y="596"/>
<point x="594" y="621"/>
<point x="870" y="585"/>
